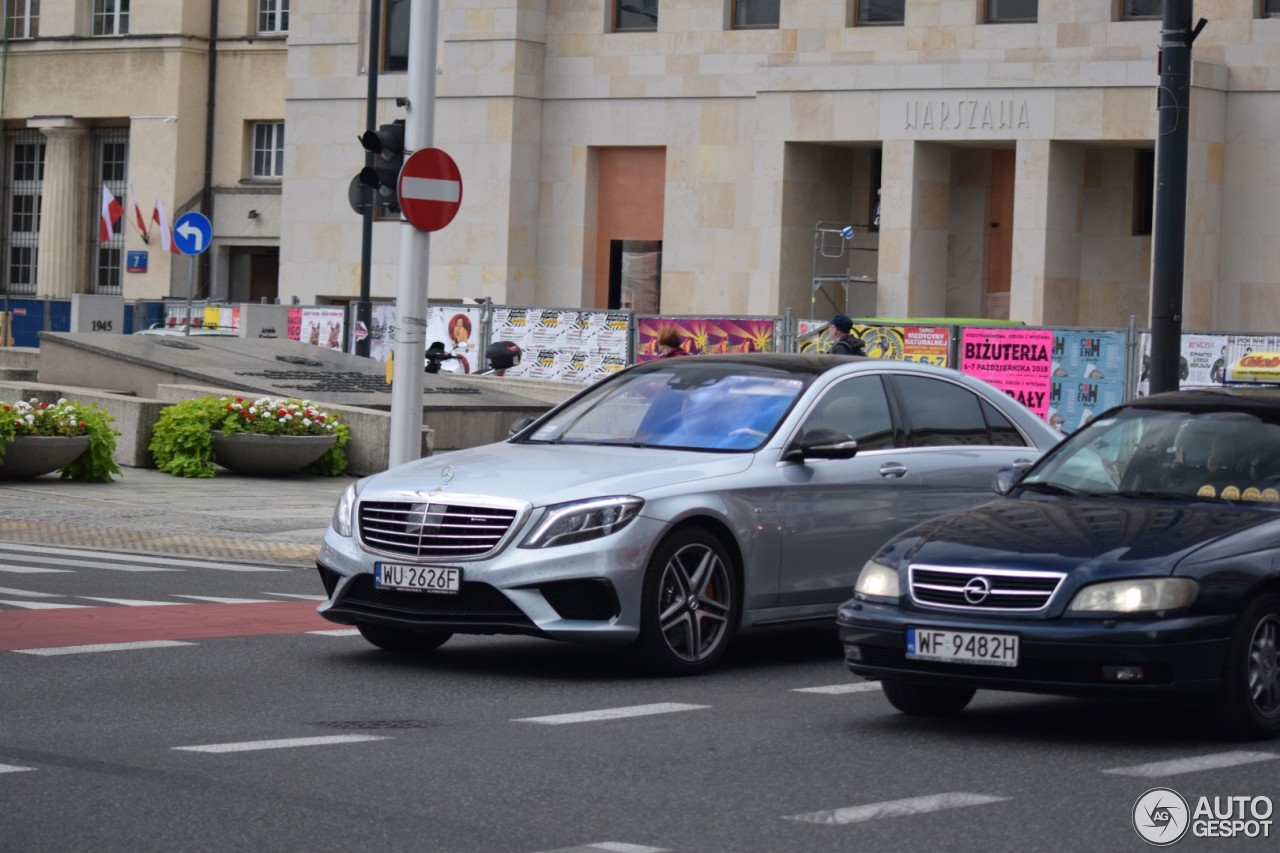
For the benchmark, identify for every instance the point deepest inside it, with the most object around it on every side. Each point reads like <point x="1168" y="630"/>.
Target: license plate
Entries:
<point x="962" y="647"/>
<point x="417" y="578"/>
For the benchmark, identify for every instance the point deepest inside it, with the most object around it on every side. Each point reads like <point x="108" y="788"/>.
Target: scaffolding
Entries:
<point x="843" y="254"/>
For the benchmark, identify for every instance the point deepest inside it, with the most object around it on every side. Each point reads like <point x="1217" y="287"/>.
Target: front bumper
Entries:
<point x="589" y="592"/>
<point x="1071" y="656"/>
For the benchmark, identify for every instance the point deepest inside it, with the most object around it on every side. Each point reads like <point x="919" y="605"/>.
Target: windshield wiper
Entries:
<point x="1051" y="488"/>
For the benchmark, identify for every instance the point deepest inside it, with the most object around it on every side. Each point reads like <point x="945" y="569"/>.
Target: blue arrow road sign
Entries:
<point x="192" y="233"/>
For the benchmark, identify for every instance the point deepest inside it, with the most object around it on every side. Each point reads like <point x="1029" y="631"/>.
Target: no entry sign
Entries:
<point x="430" y="189"/>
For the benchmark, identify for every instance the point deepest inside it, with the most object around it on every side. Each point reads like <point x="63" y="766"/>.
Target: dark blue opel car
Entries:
<point x="1140" y="557"/>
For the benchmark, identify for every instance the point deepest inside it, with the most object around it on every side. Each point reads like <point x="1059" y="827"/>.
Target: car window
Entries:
<point x="1003" y="432"/>
<point x="857" y="407"/>
<point x="941" y="413"/>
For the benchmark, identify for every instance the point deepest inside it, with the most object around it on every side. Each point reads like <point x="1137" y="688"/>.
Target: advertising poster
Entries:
<point x="1017" y="361"/>
<point x="458" y="328"/>
<point x="321" y="327"/>
<point x="295" y="324"/>
<point x="924" y="344"/>
<point x="1196" y="362"/>
<point x="564" y="344"/>
<point x="1088" y="376"/>
<point x="705" y="335"/>
<point x="1239" y="347"/>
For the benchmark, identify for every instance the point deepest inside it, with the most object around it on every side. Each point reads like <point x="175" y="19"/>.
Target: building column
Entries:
<point x="64" y="208"/>
<point x="915" y="201"/>
<point x="1044" y="275"/>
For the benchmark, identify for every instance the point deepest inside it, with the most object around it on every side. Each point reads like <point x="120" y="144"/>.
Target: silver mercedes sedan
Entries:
<point x="671" y="506"/>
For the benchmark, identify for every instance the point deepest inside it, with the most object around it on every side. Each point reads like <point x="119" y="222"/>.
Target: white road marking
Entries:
<point x="296" y="595"/>
<point x="252" y="745"/>
<point x="4" y="590"/>
<point x="13" y="768"/>
<point x="42" y="605"/>
<point x="611" y="847"/>
<point x="338" y="632"/>
<point x="897" y="808"/>
<point x="1191" y="765"/>
<point x="121" y="561"/>
<point x="32" y="570"/>
<point x="612" y="713"/>
<point x="834" y="689"/>
<point x="217" y="600"/>
<point x="141" y="566"/>
<point x="130" y="602"/>
<point x="104" y="647"/>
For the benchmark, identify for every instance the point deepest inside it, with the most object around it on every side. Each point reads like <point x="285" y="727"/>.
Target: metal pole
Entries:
<point x="1173" y="105"/>
<point x="191" y="287"/>
<point x="415" y="246"/>
<point x="364" y="311"/>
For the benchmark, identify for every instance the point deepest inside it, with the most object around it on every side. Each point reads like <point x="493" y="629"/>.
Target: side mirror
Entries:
<point x="1005" y="479"/>
<point x="821" y="443"/>
<point x="519" y="426"/>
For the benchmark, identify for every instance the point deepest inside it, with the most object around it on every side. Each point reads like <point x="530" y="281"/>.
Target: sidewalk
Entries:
<point x="272" y="521"/>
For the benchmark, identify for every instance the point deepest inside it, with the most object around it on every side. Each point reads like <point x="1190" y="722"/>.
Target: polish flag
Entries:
<point x="159" y="217"/>
<point x="139" y="221"/>
<point x="111" y="213"/>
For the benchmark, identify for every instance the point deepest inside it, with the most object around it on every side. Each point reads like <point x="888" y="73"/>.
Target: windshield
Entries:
<point x="1231" y="456"/>
<point x="711" y="407"/>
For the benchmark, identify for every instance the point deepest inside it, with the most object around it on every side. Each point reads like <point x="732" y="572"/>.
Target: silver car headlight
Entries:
<point x="579" y="521"/>
<point x="342" y="514"/>
<point x="1137" y="595"/>
<point x="877" y="580"/>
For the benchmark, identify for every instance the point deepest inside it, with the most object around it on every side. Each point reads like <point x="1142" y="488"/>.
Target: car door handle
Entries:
<point x="1024" y="464"/>
<point x="893" y="470"/>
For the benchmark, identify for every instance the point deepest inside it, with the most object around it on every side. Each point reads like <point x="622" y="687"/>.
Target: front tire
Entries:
<point x="923" y="700"/>
<point x="690" y="604"/>
<point x="403" y="640"/>
<point x="1249" y="707"/>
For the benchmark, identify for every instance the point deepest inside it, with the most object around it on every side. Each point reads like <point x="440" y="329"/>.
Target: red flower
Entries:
<point x="282" y="413"/>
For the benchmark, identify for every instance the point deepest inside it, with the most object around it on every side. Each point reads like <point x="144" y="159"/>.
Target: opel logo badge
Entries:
<point x="977" y="590"/>
<point x="446" y="474"/>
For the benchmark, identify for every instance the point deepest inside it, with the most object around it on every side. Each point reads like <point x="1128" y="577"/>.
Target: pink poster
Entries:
<point x="1017" y="361"/>
<point x="705" y="335"/>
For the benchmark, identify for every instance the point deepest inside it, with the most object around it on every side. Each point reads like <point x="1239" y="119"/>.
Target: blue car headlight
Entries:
<point x="877" y="581"/>
<point x="1136" y="595"/>
<point x="579" y="521"/>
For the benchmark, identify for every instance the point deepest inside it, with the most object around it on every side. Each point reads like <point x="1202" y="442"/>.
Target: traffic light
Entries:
<point x="387" y="145"/>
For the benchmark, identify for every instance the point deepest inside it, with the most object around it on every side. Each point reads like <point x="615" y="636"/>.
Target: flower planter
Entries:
<point x="256" y="455"/>
<point x="33" y="455"/>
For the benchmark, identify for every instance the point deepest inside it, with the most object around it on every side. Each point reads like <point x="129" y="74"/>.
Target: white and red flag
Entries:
<point x="159" y="217"/>
<point x="139" y="221"/>
<point x="111" y="213"/>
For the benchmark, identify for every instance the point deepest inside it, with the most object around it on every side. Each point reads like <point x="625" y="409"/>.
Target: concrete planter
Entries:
<point x="268" y="455"/>
<point x="33" y="455"/>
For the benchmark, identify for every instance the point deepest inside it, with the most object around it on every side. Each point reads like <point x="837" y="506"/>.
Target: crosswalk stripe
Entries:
<point x="612" y="713"/>
<point x="897" y="808"/>
<point x="13" y="768"/>
<point x="338" y="632"/>
<point x="286" y="743"/>
<point x="41" y="605"/>
<point x="102" y="647"/>
<point x="611" y="847"/>
<point x="835" y="689"/>
<point x="220" y="600"/>
<point x="129" y="602"/>
<point x="4" y="590"/>
<point x="296" y="595"/>
<point x="115" y="559"/>
<point x="1213" y="761"/>
<point x="32" y="570"/>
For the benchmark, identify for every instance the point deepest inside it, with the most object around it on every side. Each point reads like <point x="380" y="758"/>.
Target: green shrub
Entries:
<point x="65" y="418"/>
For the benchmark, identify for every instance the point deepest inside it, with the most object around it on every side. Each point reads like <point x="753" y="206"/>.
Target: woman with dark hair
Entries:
<point x="670" y="343"/>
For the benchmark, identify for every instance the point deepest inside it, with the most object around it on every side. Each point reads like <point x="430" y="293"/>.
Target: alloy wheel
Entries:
<point x="694" y="604"/>
<point x="1264" y="666"/>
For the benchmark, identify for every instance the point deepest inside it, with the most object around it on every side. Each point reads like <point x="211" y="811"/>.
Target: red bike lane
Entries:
<point x="43" y="629"/>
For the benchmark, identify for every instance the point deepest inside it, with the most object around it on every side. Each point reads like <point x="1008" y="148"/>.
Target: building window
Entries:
<point x="1270" y="8"/>
<point x="1012" y="11"/>
<point x="635" y="15"/>
<point x="1140" y="10"/>
<point x="869" y="13"/>
<point x="268" y="150"/>
<point x="110" y="17"/>
<point x="395" y="35"/>
<point x="755" y="14"/>
<point x="111" y="161"/>
<point x="273" y="17"/>
<point x="24" y="183"/>
<point x="24" y="19"/>
<point x="1144" y="188"/>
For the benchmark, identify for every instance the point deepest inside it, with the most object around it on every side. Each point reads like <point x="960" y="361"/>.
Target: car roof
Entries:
<point x="1241" y="398"/>
<point x="797" y="363"/>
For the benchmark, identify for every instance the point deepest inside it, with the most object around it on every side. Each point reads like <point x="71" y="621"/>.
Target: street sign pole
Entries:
<point x="415" y="246"/>
<point x="192" y="234"/>
<point x="191" y="289"/>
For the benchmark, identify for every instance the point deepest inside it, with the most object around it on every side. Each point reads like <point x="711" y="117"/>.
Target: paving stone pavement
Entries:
<point x="273" y="521"/>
